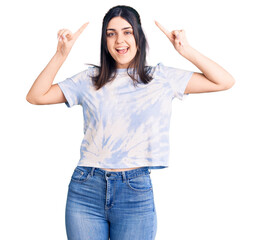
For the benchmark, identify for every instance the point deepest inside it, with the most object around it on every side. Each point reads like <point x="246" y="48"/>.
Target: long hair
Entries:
<point x="107" y="70"/>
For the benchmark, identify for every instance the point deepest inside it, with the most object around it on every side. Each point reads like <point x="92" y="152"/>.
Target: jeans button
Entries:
<point x="108" y="174"/>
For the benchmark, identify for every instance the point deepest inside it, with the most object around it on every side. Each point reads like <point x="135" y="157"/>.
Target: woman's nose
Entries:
<point x="120" y="38"/>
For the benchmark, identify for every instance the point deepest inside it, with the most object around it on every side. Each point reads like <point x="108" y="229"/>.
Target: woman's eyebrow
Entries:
<point x="112" y="29"/>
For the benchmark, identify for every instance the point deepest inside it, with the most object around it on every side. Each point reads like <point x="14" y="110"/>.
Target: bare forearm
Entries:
<point x="45" y="79"/>
<point x="209" y="68"/>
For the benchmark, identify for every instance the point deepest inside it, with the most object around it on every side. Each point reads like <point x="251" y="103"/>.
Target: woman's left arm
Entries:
<point x="213" y="77"/>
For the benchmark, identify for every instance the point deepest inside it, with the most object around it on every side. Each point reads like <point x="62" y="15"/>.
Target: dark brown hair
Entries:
<point x="107" y="70"/>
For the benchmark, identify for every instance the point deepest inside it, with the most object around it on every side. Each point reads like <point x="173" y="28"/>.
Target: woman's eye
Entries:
<point x="110" y="34"/>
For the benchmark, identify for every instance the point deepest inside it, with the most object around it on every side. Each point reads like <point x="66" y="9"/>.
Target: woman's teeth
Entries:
<point x="122" y="50"/>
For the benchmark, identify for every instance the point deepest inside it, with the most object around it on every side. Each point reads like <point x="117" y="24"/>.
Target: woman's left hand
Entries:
<point x="176" y="37"/>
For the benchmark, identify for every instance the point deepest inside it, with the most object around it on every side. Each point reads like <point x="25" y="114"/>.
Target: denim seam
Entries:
<point x="139" y="190"/>
<point x="82" y="180"/>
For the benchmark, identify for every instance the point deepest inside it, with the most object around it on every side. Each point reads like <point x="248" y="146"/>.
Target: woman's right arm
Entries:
<point x="43" y="91"/>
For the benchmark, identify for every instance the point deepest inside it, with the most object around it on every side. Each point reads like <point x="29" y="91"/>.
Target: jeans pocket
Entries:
<point x="140" y="183"/>
<point x="80" y="174"/>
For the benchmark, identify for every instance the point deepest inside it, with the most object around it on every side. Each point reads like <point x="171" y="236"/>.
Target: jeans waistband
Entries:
<point x="117" y="175"/>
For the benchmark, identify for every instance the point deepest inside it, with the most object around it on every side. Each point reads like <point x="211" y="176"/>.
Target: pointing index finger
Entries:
<point x="165" y="31"/>
<point x="80" y="30"/>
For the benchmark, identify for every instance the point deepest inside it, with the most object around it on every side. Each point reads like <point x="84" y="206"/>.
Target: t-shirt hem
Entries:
<point x="69" y="102"/>
<point x="184" y="95"/>
<point x="154" y="166"/>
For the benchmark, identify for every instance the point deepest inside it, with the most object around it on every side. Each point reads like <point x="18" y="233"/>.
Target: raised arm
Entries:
<point x="213" y="77"/>
<point x="43" y="91"/>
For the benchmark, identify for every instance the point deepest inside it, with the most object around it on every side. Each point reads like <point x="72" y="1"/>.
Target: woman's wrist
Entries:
<point x="60" y="56"/>
<point x="188" y="52"/>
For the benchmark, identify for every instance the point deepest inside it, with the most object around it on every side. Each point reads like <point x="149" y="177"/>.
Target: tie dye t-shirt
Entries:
<point x="126" y="126"/>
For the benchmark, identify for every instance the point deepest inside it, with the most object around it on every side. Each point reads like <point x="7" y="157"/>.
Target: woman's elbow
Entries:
<point x="31" y="100"/>
<point x="229" y="83"/>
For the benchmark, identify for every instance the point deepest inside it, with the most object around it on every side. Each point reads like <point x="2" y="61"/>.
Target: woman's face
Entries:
<point x="121" y="42"/>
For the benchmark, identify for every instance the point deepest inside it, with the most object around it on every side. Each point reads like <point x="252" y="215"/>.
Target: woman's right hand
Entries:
<point x="66" y="39"/>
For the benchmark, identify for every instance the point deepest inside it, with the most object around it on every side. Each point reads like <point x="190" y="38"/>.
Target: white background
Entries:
<point x="211" y="189"/>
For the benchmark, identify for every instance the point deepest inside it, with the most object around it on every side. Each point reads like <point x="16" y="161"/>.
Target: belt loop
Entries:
<point x="92" y="171"/>
<point x="123" y="176"/>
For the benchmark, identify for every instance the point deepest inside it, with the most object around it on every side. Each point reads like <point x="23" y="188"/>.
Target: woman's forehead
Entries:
<point x="118" y="23"/>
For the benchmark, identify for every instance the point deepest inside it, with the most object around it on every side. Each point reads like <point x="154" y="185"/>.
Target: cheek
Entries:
<point x="134" y="46"/>
<point x="109" y="47"/>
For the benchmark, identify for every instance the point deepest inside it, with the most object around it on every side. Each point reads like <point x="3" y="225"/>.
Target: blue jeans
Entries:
<point x="104" y="205"/>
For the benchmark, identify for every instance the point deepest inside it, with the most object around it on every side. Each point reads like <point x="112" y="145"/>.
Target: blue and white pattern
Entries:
<point x="126" y="126"/>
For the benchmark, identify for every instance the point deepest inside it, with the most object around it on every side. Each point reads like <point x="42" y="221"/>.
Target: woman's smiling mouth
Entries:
<point x="122" y="50"/>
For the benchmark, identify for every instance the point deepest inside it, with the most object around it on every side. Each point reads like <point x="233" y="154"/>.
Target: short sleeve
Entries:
<point x="72" y="88"/>
<point x="177" y="79"/>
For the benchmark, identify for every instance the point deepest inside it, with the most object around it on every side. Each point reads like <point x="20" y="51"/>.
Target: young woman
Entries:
<point x="127" y="109"/>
